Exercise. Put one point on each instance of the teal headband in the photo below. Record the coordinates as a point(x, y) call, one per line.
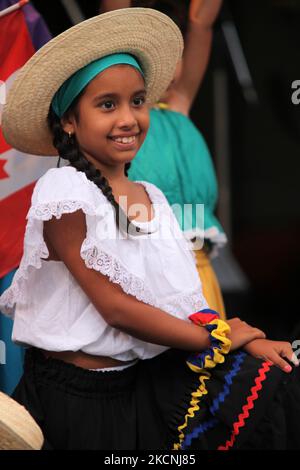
point(71, 88)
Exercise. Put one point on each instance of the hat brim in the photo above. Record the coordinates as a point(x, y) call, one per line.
point(152, 37)
point(18, 430)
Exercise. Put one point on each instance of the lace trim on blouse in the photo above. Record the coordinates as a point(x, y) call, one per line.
point(57, 208)
point(94, 258)
point(111, 267)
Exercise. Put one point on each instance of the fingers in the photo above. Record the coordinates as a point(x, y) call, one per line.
point(258, 334)
point(278, 361)
point(287, 351)
point(251, 334)
point(238, 322)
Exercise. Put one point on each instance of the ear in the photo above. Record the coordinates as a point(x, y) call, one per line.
point(68, 123)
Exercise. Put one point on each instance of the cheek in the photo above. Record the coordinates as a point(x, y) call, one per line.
point(96, 128)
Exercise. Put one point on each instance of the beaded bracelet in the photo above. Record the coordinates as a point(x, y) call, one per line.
point(220, 344)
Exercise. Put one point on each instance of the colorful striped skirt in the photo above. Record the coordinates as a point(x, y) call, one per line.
point(160, 404)
point(244, 403)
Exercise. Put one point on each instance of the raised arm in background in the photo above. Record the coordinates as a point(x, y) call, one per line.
point(109, 5)
point(198, 41)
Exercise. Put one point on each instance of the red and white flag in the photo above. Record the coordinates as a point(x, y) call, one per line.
point(18, 171)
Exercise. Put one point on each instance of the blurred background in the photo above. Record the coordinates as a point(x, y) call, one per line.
point(244, 110)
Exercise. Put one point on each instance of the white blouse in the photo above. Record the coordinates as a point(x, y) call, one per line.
point(50, 309)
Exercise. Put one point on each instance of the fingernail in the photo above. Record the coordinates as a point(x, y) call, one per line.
point(288, 368)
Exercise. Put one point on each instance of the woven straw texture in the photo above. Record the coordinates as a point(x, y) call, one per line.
point(147, 34)
point(18, 430)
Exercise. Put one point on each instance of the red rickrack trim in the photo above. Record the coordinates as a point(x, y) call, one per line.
point(245, 414)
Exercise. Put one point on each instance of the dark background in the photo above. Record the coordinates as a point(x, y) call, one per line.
point(264, 143)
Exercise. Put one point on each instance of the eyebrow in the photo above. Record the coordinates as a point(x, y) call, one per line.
point(116, 95)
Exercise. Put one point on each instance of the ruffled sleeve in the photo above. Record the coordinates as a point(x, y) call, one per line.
point(59, 191)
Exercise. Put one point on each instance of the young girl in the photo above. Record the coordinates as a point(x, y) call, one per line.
point(174, 155)
point(103, 296)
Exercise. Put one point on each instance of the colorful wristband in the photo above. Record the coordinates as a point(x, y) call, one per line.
point(219, 342)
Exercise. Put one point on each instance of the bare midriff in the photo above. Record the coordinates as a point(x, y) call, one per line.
point(86, 361)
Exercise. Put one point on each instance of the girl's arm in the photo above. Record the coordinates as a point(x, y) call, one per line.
point(198, 40)
point(109, 5)
point(273, 351)
point(120, 310)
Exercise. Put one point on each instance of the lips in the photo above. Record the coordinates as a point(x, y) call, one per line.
point(123, 135)
point(124, 140)
point(124, 143)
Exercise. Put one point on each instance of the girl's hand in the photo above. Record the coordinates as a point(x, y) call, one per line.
point(273, 351)
point(242, 333)
point(204, 12)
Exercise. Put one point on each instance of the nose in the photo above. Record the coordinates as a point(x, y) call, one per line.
point(127, 117)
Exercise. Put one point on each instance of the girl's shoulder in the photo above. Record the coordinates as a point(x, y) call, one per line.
point(56, 178)
point(63, 190)
point(65, 182)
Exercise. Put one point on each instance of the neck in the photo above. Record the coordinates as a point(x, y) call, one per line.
point(115, 174)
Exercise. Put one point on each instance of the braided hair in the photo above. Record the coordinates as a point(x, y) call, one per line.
point(68, 149)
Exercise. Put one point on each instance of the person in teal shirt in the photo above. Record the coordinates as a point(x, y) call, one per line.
point(181, 166)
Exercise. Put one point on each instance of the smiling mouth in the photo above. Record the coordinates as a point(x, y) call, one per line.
point(125, 142)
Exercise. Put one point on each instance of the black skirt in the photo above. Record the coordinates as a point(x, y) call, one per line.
point(243, 403)
point(160, 404)
point(79, 409)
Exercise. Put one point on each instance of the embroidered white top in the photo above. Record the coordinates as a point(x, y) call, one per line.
point(50, 309)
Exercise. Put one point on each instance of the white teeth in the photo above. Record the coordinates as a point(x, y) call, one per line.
point(125, 140)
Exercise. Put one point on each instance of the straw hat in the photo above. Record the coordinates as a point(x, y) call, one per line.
point(18, 430)
point(152, 37)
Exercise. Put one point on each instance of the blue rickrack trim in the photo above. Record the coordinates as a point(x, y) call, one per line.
point(200, 430)
point(239, 358)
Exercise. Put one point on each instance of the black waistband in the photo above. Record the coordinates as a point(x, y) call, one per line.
point(54, 371)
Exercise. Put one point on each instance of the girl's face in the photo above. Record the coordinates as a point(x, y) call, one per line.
point(111, 118)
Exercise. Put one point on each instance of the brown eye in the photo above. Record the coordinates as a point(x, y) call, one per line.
point(139, 101)
point(110, 103)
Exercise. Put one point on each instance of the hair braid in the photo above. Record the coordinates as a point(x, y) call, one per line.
point(127, 167)
point(68, 149)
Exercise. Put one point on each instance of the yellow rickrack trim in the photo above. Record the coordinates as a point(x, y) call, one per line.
point(201, 390)
point(220, 333)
